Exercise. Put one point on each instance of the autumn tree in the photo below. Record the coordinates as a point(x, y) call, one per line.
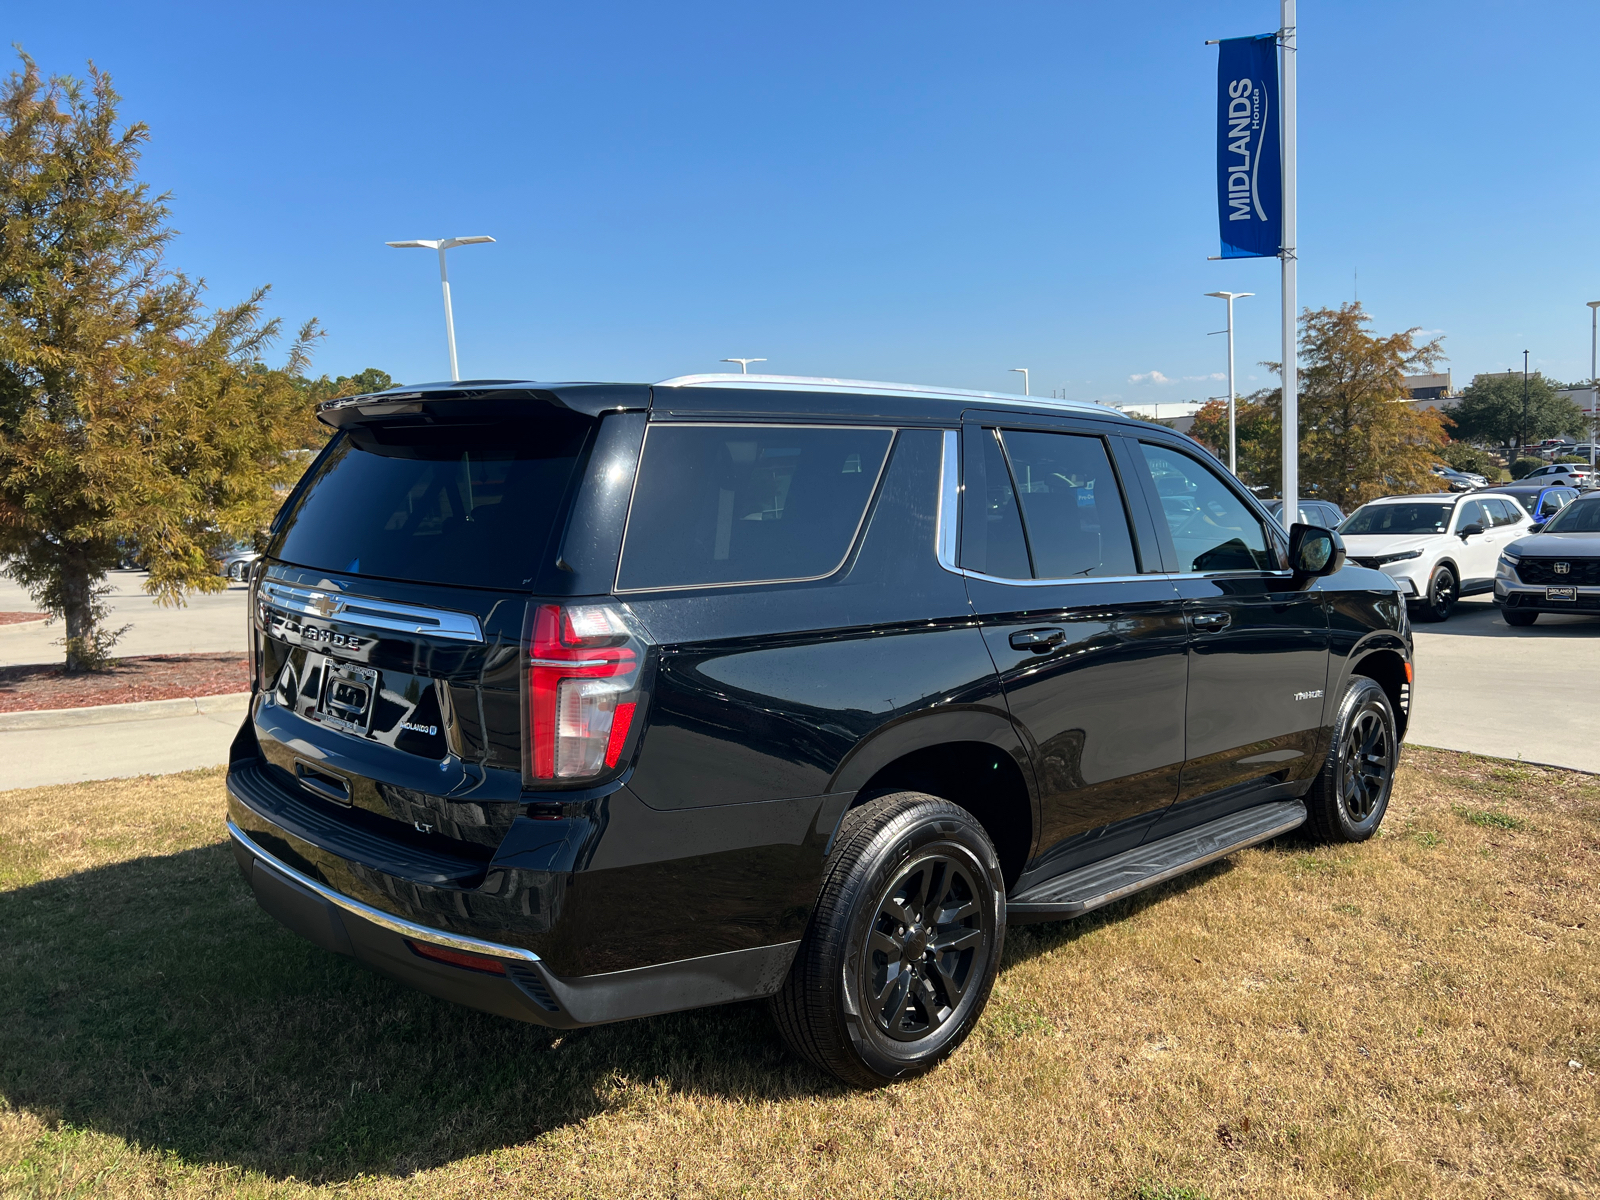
point(127, 412)
point(1357, 437)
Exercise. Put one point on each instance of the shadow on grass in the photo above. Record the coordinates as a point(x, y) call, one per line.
point(153, 1000)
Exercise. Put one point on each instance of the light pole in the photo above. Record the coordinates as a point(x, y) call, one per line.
point(1522, 447)
point(441, 245)
point(744, 363)
point(1024, 371)
point(1594, 383)
point(1230, 297)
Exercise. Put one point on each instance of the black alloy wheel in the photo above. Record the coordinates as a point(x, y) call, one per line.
point(903, 945)
point(1442, 595)
point(1347, 800)
point(926, 939)
point(1520, 618)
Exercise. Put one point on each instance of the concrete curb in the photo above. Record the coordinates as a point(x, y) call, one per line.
point(139, 710)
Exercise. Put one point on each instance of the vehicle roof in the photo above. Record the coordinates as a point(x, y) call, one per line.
point(1518, 488)
point(721, 393)
point(1451, 496)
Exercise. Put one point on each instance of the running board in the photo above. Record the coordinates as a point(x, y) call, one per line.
point(1097, 884)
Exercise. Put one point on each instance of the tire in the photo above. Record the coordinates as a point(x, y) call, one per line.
point(1350, 794)
point(1443, 591)
point(1519, 618)
point(870, 997)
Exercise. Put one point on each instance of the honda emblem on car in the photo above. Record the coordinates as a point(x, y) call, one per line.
point(1563, 568)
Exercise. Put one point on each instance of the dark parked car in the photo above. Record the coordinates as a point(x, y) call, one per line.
point(1541, 501)
point(1556, 569)
point(1312, 512)
point(583, 702)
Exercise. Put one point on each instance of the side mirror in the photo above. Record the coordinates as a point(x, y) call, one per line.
point(1467, 531)
point(1314, 550)
point(1538, 525)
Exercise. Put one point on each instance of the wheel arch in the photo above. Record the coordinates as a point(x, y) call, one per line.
point(1383, 659)
point(973, 757)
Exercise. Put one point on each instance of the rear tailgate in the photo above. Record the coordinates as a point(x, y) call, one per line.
point(390, 619)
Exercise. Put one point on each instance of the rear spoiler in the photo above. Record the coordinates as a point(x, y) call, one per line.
point(502, 398)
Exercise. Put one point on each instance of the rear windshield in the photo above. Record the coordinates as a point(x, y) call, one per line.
point(1398, 518)
point(473, 505)
point(721, 504)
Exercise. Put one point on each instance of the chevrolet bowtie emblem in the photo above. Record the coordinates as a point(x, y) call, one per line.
point(326, 605)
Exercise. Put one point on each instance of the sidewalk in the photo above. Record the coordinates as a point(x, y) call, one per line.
point(207, 624)
point(156, 737)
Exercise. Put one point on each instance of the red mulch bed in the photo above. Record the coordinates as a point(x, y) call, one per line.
point(153, 677)
point(16, 618)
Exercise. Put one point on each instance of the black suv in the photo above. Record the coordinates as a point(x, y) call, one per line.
point(581, 702)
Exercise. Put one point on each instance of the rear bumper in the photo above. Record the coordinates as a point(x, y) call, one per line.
point(526, 990)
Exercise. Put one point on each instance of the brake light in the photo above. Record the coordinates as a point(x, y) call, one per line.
point(583, 673)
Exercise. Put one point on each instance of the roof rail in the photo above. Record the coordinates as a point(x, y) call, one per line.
point(808, 383)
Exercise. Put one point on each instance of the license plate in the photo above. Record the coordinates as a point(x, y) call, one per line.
point(347, 696)
point(1568, 593)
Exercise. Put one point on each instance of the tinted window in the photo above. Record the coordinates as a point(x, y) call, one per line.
point(1212, 530)
point(469, 505)
point(1504, 512)
point(1472, 513)
point(1418, 517)
point(748, 503)
point(991, 526)
point(1071, 507)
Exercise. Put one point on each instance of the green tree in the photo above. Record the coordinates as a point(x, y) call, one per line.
point(1357, 440)
point(1494, 410)
point(126, 411)
point(1464, 456)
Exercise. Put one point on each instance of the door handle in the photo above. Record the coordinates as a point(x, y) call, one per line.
point(1211, 622)
point(1040, 641)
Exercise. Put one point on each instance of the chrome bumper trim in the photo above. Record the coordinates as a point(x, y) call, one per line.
point(367, 613)
point(366, 912)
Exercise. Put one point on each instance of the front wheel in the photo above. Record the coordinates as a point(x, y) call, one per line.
point(903, 946)
point(1441, 597)
point(1518, 618)
point(1351, 793)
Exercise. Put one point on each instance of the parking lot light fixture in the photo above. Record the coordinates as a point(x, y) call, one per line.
point(1024, 371)
point(1594, 376)
point(1233, 454)
point(441, 245)
point(744, 363)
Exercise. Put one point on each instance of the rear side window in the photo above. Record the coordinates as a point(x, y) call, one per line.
point(1212, 528)
point(728, 504)
point(1071, 507)
point(469, 504)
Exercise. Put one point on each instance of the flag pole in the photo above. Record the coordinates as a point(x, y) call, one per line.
point(1291, 378)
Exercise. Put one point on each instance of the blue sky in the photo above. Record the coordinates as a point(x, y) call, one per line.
point(933, 192)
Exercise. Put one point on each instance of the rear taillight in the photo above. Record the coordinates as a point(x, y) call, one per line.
point(583, 676)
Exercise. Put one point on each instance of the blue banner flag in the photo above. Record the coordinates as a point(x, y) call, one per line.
point(1249, 157)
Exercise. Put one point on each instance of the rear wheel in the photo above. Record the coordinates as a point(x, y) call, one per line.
point(1519, 618)
point(1351, 792)
point(903, 946)
point(1442, 594)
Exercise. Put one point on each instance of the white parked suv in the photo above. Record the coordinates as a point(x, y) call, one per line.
point(1437, 547)
point(1575, 475)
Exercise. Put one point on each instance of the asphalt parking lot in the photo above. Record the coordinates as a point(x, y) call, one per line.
point(1487, 688)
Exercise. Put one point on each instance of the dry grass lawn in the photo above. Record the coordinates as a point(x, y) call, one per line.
point(1417, 1016)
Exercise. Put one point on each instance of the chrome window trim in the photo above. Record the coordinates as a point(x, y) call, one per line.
point(949, 523)
point(368, 613)
point(410, 929)
point(622, 554)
